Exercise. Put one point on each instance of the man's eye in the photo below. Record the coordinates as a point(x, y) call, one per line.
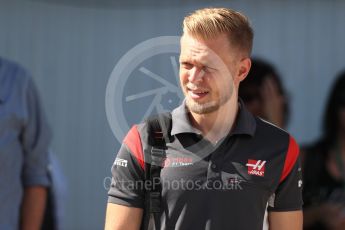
point(207, 69)
point(187, 65)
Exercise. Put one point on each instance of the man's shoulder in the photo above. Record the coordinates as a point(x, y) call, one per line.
point(277, 144)
point(145, 128)
point(270, 135)
point(156, 121)
point(269, 128)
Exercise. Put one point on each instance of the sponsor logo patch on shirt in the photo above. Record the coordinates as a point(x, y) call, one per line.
point(120, 162)
point(178, 161)
point(256, 167)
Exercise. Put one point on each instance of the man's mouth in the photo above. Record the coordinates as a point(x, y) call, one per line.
point(197, 94)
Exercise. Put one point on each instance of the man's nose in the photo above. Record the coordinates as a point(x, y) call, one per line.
point(196, 74)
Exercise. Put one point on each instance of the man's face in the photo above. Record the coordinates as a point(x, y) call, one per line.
point(206, 68)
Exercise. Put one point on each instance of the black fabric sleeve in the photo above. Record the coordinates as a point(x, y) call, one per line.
point(288, 195)
point(127, 185)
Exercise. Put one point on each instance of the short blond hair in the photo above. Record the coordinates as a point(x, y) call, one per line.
point(208, 23)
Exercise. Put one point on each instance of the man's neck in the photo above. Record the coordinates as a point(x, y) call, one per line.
point(216, 125)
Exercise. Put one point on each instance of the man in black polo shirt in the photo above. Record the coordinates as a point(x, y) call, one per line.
point(224, 168)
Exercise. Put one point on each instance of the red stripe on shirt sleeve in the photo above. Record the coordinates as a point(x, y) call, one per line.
point(290, 159)
point(133, 142)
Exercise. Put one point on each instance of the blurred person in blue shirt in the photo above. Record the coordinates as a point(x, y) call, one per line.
point(24, 143)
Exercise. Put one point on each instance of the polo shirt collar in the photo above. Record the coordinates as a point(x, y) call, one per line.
point(181, 122)
point(245, 122)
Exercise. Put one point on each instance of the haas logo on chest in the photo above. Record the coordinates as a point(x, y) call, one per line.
point(256, 167)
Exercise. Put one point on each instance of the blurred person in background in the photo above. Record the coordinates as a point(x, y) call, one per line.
point(24, 142)
point(264, 95)
point(324, 167)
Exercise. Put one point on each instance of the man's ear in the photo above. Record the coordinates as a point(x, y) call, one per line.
point(243, 70)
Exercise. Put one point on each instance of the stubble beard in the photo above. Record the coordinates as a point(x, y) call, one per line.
point(207, 107)
point(202, 108)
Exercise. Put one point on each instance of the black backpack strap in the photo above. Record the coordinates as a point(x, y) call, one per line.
point(159, 134)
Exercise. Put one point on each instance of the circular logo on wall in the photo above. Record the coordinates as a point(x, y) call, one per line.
point(144, 82)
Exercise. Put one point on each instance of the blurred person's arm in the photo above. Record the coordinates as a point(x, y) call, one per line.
point(285, 220)
point(119, 217)
point(33, 207)
point(35, 139)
